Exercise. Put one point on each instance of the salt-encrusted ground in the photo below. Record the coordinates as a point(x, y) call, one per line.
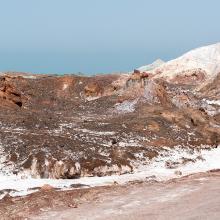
point(169, 164)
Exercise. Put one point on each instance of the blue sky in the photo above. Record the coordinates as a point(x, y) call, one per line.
point(96, 36)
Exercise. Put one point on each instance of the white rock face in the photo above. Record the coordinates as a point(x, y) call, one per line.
point(206, 58)
point(151, 66)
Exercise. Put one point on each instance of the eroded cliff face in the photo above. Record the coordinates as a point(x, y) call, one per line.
point(73, 126)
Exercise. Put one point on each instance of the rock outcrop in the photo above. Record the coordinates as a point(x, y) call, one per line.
point(8, 93)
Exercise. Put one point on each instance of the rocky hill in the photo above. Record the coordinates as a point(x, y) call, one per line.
point(74, 126)
point(203, 62)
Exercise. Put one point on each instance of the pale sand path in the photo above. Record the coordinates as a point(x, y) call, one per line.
point(195, 197)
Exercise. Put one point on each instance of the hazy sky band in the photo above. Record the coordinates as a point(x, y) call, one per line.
point(101, 36)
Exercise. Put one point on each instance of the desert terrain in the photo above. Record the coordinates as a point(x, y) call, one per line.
point(99, 133)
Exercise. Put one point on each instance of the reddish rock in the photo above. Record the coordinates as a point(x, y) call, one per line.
point(93, 89)
point(47, 187)
point(8, 93)
point(190, 77)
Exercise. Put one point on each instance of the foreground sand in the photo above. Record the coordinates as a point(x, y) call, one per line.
point(193, 197)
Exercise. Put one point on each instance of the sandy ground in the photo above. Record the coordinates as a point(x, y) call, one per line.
point(194, 197)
